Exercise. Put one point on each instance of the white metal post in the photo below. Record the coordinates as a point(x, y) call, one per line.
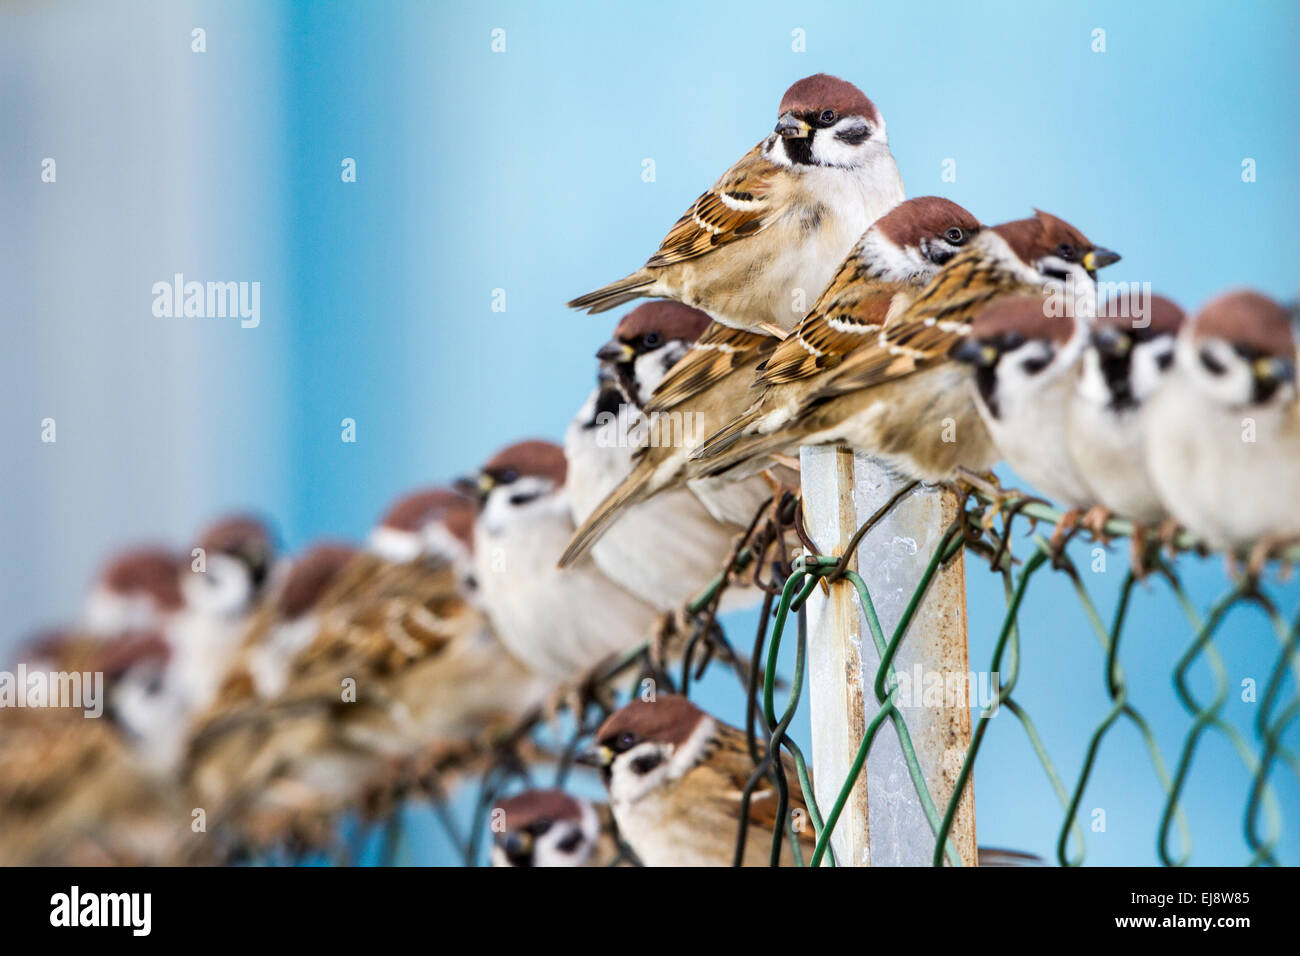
point(883, 822)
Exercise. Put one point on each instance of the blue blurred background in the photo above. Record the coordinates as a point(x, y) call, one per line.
point(522, 171)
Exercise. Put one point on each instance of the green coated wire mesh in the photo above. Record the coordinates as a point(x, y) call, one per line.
point(994, 529)
point(1262, 825)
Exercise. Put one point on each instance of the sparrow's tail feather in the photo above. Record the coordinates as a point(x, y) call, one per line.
point(993, 856)
point(740, 449)
point(727, 436)
point(630, 490)
point(614, 294)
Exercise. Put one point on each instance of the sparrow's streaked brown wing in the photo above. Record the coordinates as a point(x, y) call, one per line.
point(739, 205)
point(849, 315)
point(716, 354)
point(764, 801)
point(71, 786)
point(924, 334)
point(380, 622)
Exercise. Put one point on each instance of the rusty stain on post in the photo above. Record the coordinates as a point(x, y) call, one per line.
point(883, 822)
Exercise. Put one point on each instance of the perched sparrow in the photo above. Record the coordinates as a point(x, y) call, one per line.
point(666, 550)
point(560, 624)
point(136, 591)
point(551, 828)
point(423, 656)
point(200, 610)
point(1223, 433)
point(780, 220)
point(399, 664)
point(675, 777)
point(886, 270)
point(1025, 365)
point(73, 790)
point(903, 399)
point(237, 745)
point(289, 622)
point(1125, 363)
point(435, 523)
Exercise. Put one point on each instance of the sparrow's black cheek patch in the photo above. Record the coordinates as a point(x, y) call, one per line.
point(644, 764)
point(986, 380)
point(853, 137)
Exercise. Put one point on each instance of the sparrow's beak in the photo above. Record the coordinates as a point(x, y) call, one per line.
point(1111, 341)
point(616, 351)
point(975, 352)
point(595, 757)
point(1273, 369)
point(791, 127)
point(1096, 259)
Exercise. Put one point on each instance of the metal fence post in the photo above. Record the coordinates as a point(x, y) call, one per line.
point(883, 822)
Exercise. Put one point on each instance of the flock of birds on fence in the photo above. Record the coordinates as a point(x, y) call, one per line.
point(254, 699)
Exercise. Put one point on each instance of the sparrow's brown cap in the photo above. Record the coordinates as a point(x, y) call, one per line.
point(243, 536)
point(1160, 316)
point(1248, 319)
point(821, 91)
point(533, 458)
point(667, 719)
point(148, 570)
point(121, 654)
point(1044, 235)
point(672, 320)
point(415, 511)
point(65, 648)
point(524, 809)
point(926, 217)
point(1026, 316)
point(311, 576)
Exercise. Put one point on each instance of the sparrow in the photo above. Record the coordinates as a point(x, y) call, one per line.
point(903, 399)
point(74, 790)
point(1223, 432)
point(401, 666)
point(1024, 366)
point(886, 270)
point(551, 828)
point(675, 776)
point(136, 591)
point(414, 638)
point(776, 224)
point(667, 550)
point(237, 746)
point(700, 393)
point(560, 624)
point(1125, 363)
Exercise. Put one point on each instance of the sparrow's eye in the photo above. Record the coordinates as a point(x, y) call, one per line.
point(955, 236)
point(626, 740)
point(1212, 364)
point(651, 340)
point(540, 826)
point(570, 843)
point(827, 117)
point(1034, 364)
point(1067, 252)
point(507, 476)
